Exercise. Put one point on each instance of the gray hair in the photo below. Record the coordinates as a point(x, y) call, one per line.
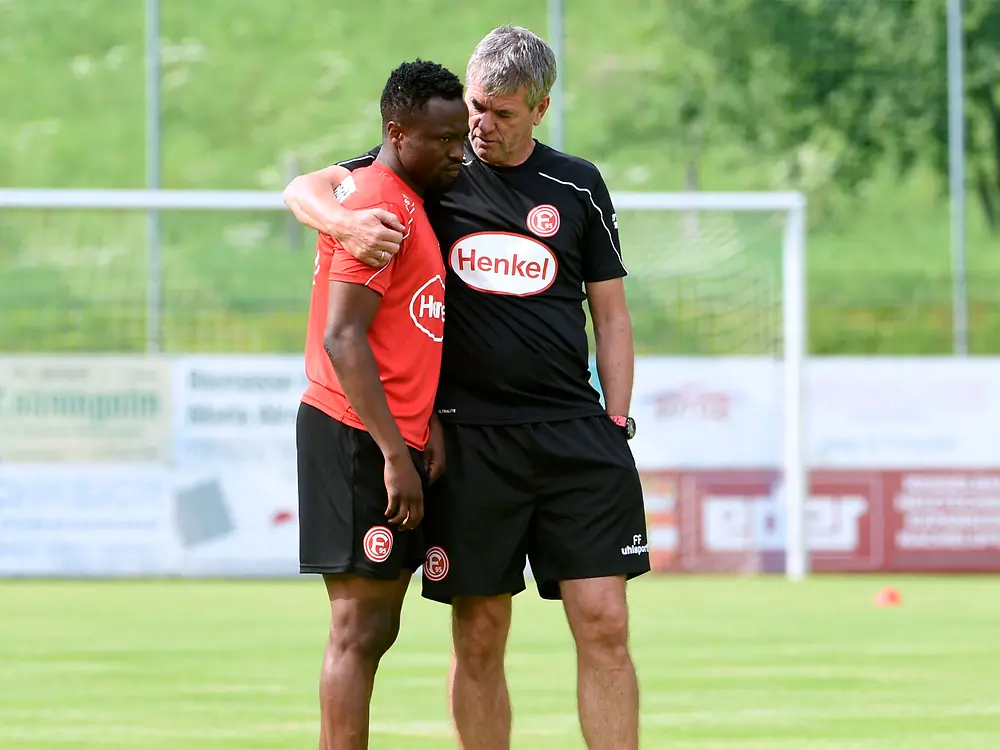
point(510, 57)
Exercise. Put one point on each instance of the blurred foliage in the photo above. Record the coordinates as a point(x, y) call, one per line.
point(845, 100)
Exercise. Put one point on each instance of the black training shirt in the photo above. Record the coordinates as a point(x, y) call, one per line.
point(519, 245)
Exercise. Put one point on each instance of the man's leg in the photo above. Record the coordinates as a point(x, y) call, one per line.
point(476, 526)
point(480, 702)
point(364, 622)
point(589, 534)
point(607, 688)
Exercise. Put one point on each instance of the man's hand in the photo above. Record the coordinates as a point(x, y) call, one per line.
point(434, 451)
point(406, 492)
point(372, 236)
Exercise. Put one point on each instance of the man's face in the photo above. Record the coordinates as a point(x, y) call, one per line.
point(502, 125)
point(432, 142)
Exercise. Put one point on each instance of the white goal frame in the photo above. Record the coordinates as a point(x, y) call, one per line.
point(794, 311)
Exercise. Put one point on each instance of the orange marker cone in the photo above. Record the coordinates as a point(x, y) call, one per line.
point(888, 597)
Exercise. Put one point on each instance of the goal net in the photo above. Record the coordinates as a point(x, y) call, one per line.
point(716, 293)
point(717, 298)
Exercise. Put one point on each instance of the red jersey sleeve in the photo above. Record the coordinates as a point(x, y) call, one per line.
point(345, 267)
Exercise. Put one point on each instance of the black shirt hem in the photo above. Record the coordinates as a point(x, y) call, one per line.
point(561, 415)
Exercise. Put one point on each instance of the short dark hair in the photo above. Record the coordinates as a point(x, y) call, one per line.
point(412, 85)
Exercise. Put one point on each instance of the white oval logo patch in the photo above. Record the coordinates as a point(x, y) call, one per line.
point(503, 263)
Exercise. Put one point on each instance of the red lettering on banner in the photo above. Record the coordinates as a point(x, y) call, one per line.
point(857, 520)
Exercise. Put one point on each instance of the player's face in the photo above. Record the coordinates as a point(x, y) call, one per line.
point(502, 125)
point(432, 146)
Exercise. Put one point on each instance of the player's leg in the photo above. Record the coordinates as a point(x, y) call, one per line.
point(364, 622)
point(607, 687)
point(475, 525)
point(588, 475)
point(480, 699)
point(365, 565)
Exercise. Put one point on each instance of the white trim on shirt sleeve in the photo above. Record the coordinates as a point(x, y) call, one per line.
point(590, 195)
point(357, 158)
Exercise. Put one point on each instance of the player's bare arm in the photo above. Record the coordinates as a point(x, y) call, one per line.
point(372, 236)
point(615, 351)
point(351, 310)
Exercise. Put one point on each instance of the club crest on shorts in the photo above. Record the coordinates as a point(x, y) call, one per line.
point(543, 220)
point(436, 565)
point(378, 544)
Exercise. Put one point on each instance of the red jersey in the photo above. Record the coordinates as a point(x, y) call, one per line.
point(406, 334)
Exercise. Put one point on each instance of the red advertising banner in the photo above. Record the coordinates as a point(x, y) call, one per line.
point(857, 520)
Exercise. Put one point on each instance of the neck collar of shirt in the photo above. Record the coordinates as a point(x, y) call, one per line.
point(409, 191)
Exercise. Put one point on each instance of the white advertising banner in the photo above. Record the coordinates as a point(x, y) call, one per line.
point(859, 413)
point(125, 466)
point(706, 412)
point(236, 410)
point(894, 412)
point(144, 520)
point(107, 409)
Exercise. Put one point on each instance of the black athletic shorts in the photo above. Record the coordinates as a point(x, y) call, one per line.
point(342, 501)
point(565, 495)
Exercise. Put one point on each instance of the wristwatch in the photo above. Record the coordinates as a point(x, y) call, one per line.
point(627, 424)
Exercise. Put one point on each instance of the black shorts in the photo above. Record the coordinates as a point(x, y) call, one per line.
point(342, 501)
point(565, 495)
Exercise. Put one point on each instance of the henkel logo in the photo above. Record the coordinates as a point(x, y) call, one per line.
point(503, 263)
point(427, 309)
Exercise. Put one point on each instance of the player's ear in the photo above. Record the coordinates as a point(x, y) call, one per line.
point(542, 107)
point(395, 132)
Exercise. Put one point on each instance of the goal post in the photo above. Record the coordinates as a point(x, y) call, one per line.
point(684, 236)
point(791, 207)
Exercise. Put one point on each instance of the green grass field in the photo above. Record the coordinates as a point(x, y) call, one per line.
point(724, 664)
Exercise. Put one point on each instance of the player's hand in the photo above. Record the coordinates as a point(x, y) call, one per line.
point(372, 236)
point(434, 451)
point(406, 493)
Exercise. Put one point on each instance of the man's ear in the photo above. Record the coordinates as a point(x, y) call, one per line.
point(541, 109)
point(395, 132)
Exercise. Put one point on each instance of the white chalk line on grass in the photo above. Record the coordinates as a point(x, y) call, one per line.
point(535, 725)
point(235, 688)
point(40, 667)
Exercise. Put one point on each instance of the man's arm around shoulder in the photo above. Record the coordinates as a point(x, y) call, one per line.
point(372, 236)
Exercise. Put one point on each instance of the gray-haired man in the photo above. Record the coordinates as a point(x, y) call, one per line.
point(536, 467)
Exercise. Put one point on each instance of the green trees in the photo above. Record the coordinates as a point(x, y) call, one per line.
point(841, 88)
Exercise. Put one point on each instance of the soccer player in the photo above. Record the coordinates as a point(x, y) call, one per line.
point(373, 355)
point(537, 468)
